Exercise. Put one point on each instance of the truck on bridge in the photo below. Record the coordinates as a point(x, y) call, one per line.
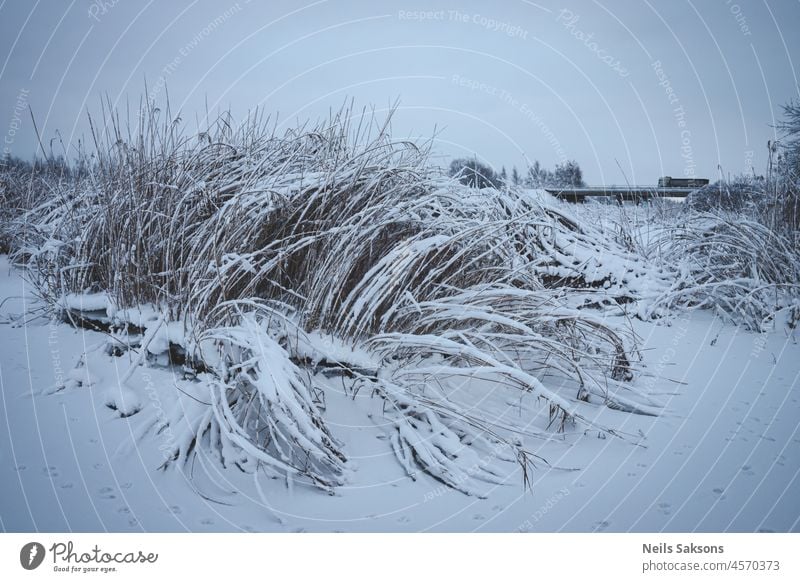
point(670, 182)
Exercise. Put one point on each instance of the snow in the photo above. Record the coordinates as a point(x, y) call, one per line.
point(724, 454)
point(318, 346)
point(122, 399)
point(87, 302)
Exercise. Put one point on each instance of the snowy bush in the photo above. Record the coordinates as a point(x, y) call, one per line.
point(255, 259)
point(246, 243)
point(781, 205)
point(738, 267)
point(742, 193)
point(23, 185)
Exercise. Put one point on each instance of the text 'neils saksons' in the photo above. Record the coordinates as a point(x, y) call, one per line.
point(663, 548)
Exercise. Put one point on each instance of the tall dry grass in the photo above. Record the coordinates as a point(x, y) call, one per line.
point(252, 238)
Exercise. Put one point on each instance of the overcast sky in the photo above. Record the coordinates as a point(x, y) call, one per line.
point(630, 89)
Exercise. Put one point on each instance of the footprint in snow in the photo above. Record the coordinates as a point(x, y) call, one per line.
point(404, 519)
point(717, 490)
point(478, 517)
point(106, 493)
point(50, 471)
point(175, 510)
point(207, 521)
point(601, 525)
point(20, 468)
point(67, 485)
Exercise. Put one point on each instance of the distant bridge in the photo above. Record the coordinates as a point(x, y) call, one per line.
point(667, 188)
point(619, 193)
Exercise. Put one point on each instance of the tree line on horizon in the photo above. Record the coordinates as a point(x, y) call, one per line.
point(471, 172)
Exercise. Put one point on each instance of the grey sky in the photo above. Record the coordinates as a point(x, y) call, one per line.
point(509, 81)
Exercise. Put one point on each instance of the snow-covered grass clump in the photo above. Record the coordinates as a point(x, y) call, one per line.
point(739, 265)
point(258, 260)
point(734, 265)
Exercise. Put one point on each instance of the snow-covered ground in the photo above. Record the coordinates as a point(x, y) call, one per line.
point(724, 455)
